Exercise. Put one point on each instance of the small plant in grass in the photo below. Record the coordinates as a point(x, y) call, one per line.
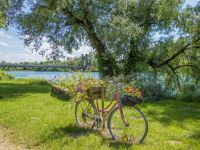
point(4, 76)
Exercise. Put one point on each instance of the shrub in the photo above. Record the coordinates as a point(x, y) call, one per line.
point(34, 81)
point(39, 82)
point(189, 93)
point(125, 84)
point(4, 76)
point(152, 88)
point(155, 91)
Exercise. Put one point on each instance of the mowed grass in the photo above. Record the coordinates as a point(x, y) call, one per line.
point(33, 118)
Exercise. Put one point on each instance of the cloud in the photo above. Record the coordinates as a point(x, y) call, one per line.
point(191, 2)
point(4, 44)
point(46, 46)
point(14, 51)
point(4, 35)
point(24, 57)
point(82, 50)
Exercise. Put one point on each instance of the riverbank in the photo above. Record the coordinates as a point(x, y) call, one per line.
point(39, 121)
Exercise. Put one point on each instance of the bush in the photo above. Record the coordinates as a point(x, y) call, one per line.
point(4, 76)
point(189, 93)
point(39, 82)
point(152, 88)
point(34, 81)
point(155, 91)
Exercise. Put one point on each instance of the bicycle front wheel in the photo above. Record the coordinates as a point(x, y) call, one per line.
point(133, 130)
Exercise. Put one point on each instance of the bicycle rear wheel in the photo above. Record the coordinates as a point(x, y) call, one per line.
point(84, 113)
point(134, 131)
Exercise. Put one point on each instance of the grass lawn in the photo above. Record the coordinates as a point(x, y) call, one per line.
point(33, 118)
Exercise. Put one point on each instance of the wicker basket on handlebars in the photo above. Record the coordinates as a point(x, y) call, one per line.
point(128, 100)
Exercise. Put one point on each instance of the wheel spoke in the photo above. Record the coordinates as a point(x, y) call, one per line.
point(83, 113)
point(137, 127)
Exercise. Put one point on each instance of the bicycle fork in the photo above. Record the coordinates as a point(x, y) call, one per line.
point(121, 110)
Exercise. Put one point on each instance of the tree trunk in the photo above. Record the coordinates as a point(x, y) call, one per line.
point(133, 58)
point(106, 63)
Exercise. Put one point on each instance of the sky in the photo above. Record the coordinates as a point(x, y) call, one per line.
point(12, 48)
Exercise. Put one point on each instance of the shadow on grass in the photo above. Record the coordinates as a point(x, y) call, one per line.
point(170, 111)
point(76, 132)
point(70, 131)
point(195, 135)
point(10, 90)
point(61, 98)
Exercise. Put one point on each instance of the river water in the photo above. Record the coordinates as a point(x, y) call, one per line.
point(47, 74)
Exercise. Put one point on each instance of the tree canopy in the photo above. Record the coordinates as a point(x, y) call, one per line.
point(3, 7)
point(128, 36)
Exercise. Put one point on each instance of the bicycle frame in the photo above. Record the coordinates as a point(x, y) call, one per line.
point(105, 111)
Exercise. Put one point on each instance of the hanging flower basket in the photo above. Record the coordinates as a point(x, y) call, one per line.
point(129, 100)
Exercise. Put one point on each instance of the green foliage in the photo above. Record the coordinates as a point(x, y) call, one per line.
point(4, 76)
point(36, 81)
point(3, 7)
point(87, 62)
point(2, 20)
point(189, 93)
point(78, 84)
point(153, 88)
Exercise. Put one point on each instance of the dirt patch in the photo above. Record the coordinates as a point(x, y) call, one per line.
point(173, 142)
point(6, 144)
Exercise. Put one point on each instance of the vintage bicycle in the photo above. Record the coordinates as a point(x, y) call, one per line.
point(126, 122)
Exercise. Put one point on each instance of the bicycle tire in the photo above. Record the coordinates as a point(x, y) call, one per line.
point(117, 137)
point(77, 117)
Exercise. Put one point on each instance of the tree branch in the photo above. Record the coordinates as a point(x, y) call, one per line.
point(74, 19)
point(189, 65)
point(107, 62)
point(174, 72)
point(153, 64)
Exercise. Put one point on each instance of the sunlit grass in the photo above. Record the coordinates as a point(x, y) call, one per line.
point(34, 118)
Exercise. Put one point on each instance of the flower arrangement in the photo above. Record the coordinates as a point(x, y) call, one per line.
point(132, 91)
point(78, 84)
point(82, 87)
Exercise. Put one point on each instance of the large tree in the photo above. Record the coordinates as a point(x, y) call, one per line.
point(128, 36)
point(162, 35)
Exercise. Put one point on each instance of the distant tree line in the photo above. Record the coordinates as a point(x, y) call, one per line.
point(87, 61)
